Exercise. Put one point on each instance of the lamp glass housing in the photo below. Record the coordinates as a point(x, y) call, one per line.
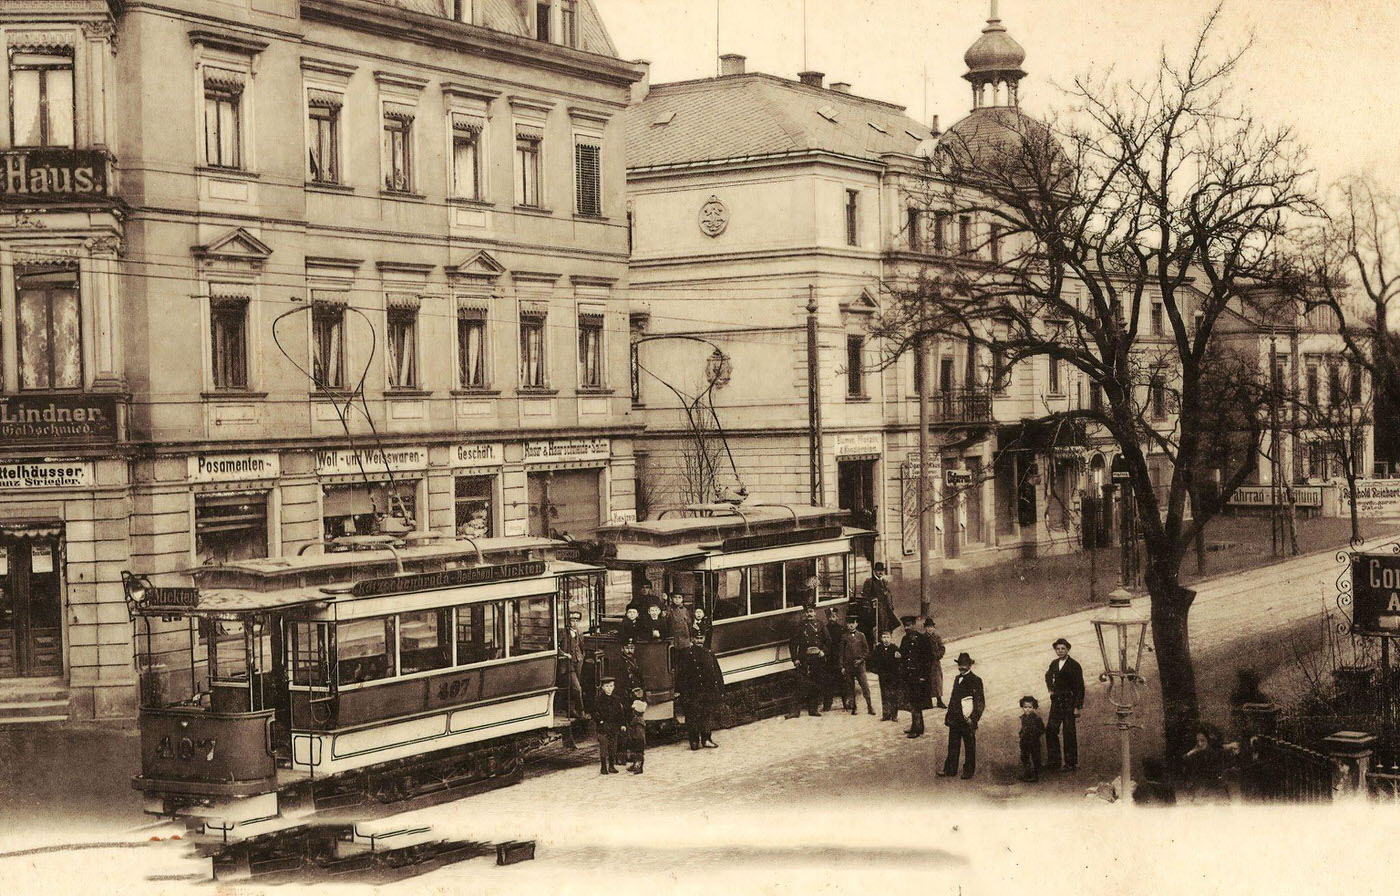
point(1122, 632)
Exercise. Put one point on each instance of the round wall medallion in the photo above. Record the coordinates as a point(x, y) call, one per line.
point(714, 217)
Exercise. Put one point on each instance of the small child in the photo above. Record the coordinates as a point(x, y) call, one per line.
point(1032, 735)
point(884, 663)
point(637, 732)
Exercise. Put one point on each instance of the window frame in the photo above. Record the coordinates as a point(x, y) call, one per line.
point(529, 154)
point(221, 306)
point(581, 177)
point(48, 286)
point(568, 23)
point(322, 122)
point(592, 323)
point(233, 97)
point(42, 98)
point(392, 126)
point(401, 318)
point(469, 319)
point(1053, 380)
point(852, 217)
point(321, 313)
point(471, 137)
point(534, 322)
point(855, 365)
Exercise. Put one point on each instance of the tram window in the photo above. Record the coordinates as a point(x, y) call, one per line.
point(481, 632)
point(423, 640)
point(308, 660)
point(532, 625)
point(799, 581)
point(229, 656)
point(730, 601)
point(765, 587)
point(364, 650)
point(831, 578)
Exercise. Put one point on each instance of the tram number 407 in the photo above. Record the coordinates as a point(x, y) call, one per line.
point(186, 748)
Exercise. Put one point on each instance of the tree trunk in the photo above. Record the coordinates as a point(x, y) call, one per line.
point(1171, 605)
point(1351, 500)
point(1200, 532)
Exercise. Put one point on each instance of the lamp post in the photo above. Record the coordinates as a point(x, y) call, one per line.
point(1122, 632)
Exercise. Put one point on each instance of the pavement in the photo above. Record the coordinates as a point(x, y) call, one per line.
point(840, 801)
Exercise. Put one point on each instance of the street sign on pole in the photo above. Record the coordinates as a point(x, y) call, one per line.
point(1375, 587)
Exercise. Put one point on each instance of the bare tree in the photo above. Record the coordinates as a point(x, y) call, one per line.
point(1337, 429)
point(1112, 243)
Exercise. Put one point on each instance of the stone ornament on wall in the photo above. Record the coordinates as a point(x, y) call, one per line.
point(714, 217)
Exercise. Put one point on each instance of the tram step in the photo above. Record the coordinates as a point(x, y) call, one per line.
point(382, 837)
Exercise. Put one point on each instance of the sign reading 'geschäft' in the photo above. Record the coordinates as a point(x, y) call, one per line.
point(45, 474)
point(478, 454)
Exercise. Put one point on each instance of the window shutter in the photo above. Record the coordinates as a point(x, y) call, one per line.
point(588, 177)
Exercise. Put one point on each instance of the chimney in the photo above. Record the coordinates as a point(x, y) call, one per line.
point(934, 127)
point(731, 64)
point(810, 78)
point(841, 86)
point(642, 87)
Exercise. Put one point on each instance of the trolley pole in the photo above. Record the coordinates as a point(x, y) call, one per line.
point(814, 402)
point(925, 539)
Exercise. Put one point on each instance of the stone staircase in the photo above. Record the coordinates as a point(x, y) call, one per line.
point(31, 701)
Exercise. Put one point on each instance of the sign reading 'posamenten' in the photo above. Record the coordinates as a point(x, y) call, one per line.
point(57, 419)
point(43, 175)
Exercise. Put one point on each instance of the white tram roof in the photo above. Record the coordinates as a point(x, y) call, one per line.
point(352, 561)
point(705, 522)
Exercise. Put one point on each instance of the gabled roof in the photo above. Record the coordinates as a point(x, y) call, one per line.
point(238, 244)
point(734, 116)
point(512, 17)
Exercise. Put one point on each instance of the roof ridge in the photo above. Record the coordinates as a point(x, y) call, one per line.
point(722, 80)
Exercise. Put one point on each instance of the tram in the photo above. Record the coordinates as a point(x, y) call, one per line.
point(273, 687)
point(752, 569)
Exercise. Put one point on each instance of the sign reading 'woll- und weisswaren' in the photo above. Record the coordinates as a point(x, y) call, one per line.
point(371, 462)
point(1375, 581)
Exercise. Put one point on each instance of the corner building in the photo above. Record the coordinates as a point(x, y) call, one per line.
point(344, 267)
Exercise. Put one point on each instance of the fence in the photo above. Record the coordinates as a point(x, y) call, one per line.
point(1282, 771)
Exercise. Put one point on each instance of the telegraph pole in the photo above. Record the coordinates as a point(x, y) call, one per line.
point(814, 402)
point(925, 539)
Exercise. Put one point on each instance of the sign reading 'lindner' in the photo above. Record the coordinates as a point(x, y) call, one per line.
point(29, 175)
point(57, 419)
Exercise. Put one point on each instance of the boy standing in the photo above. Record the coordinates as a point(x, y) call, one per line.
point(854, 653)
point(885, 663)
point(1032, 734)
point(637, 732)
point(609, 715)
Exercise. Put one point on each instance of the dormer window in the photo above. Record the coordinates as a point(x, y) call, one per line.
point(542, 14)
point(41, 99)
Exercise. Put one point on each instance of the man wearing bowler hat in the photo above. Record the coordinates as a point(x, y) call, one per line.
point(1065, 682)
point(965, 705)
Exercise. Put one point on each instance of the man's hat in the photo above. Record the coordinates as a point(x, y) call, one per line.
point(630, 642)
point(850, 619)
point(928, 620)
point(879, 567)
point(964, 659)
point(908, 620)
point(636, 690)
point(1059, 641)
point(575, 614)
point(608, 679)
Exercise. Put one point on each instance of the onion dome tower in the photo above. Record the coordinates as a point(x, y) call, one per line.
point(994, 65)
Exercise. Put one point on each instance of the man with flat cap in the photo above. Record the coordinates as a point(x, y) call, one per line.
point(1065, 682)
point(610, 715)
point(915, 664)
point(965, 705)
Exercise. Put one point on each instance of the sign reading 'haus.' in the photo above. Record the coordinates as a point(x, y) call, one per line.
point(31, 175)
point(57, 419)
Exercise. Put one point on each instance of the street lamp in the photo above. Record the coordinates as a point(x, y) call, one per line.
point(1121, 632)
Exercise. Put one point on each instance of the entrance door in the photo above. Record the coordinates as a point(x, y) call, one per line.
point(31, 636)
point(855, 491)
point(950, 521)
point(564, 501)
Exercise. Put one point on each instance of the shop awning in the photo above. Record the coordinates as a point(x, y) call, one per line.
point(32, 530)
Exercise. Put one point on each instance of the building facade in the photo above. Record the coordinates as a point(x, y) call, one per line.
point(276, 271)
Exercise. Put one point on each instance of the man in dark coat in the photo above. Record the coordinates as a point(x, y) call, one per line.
point(611, 718)
point(965, 705)
point(654, 626)
point(884, 662)
point(699, 684)
point(678, 622)
point(808, 648)
point(875, 594)
point(629, 671)
point(915, 662)
point(834, 683)
point(571, 664)
point(854, 653)
point(1065, 682)
point(935, 676)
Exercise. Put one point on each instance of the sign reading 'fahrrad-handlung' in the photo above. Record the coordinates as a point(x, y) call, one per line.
point(57, 419)
point(1375, 580)
point(34, 175)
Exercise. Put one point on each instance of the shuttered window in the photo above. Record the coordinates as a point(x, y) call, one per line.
point(228, 347)
point(588, 178)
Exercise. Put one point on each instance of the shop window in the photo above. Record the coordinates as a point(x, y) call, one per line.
point(425, 640)
point(324, 128)
point(474, 496)
point(230, 527)
point(223, 125)
point(801, 585)
point(532, 625)
point(466, 156)
point(590, 351)
point(369, 509)
point(588, 178)
point(41, 99)
point(730, 600)
point(527, 166)
point(50, 331)
point(364, 650)
point(328, 345)
point(398, 148)
point(532, 360)
point(228, 347)
point(403, 349)
point(765, 587)
point(481, 633)
point(471, 349)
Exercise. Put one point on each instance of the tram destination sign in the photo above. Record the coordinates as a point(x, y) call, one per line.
point(447, 578)
point(1375, 608)
point(778, 539)
point(58, 419)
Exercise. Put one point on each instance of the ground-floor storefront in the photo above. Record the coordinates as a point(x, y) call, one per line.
point(70, 527)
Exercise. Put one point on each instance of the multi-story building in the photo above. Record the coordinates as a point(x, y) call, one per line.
point(283, 270)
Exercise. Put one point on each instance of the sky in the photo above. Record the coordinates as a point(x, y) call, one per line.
point(1326, 67)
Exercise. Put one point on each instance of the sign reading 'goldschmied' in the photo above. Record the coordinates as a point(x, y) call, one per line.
point(57, 419)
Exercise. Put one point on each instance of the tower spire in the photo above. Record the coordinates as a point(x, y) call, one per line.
point(994, 65)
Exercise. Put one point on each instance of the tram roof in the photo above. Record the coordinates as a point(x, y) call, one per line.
point(711, 522)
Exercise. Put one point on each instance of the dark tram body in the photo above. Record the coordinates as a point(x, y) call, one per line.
point(752, 569)
point(341, 675)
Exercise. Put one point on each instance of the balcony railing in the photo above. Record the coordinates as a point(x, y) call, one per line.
point(961, 406)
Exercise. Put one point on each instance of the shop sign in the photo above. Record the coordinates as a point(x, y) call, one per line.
point(478, 454)
point(31, 175)
point(957, 478)
point(559, 450)
point(373, 461)
point(1264, 496)
point(234, 467)
point(45, 474)
point(57, 419)
point(854, 444)
point(448, 578)
point(1376, 497)
point(1375, 608)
